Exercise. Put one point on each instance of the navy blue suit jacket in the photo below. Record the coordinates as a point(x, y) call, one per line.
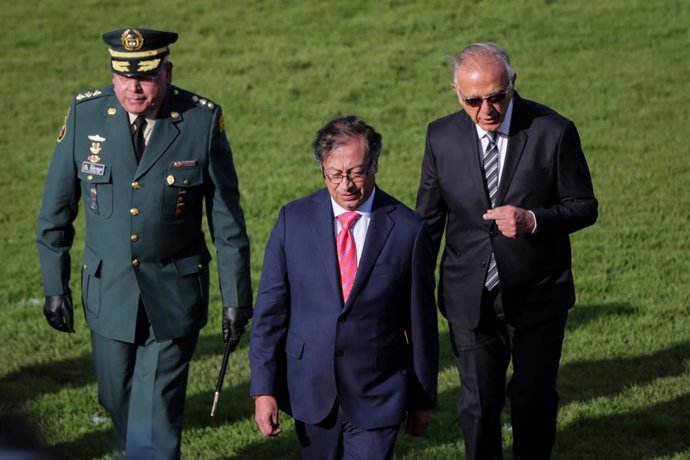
point(378, 353)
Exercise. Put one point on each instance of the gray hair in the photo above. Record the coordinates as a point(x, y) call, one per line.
point(482, 50)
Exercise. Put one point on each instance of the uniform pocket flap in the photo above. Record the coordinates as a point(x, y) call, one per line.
point(91, 264)
point(190, 265)
point(184, 177)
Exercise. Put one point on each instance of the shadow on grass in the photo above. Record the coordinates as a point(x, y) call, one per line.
point(648, 433)
point(94, 444)
point(30, 382)
point(582, 315)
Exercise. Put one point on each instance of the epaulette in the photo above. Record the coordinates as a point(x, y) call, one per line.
point(196, 99)
point(88, 95)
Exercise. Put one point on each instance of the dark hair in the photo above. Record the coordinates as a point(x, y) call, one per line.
point(337, 131)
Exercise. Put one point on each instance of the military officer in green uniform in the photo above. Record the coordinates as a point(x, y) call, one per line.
point(146, 158)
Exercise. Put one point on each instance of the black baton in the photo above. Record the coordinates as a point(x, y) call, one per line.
point(221, 376)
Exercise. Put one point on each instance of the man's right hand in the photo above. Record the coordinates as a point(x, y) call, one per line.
point(266, 415)
point(58, 312)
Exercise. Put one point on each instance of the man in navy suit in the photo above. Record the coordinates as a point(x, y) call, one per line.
point(507, 181)
point(348, 348)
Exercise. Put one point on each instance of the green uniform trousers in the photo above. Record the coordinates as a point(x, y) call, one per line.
point(143, 385)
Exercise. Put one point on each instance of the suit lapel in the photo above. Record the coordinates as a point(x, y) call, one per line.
point(380, 227)
point(118, 132)
point(517, 139)
point(324, 236)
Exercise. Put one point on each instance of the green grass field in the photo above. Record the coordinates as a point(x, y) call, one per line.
point(281, 69)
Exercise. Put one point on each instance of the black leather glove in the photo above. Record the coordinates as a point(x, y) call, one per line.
point(58, 311)
point(234, 322)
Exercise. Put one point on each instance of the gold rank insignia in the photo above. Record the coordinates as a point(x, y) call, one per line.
point(88, 94)
point(174, 115)
point(63, 130)
point(221, 124)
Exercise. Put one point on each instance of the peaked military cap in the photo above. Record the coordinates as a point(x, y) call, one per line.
point(135, 52)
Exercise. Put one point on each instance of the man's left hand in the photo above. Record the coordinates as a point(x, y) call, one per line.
point(234, 323)
point(511, 221)
point(417, 422)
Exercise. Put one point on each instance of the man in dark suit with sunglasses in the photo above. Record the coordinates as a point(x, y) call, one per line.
point(507, 181)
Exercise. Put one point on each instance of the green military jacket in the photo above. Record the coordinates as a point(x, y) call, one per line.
point(144, 235)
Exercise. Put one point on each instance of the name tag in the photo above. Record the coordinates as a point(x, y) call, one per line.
point(93, 168)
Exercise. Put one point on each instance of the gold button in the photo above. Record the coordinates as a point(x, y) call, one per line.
point(136, 185)
point(84, 267)
point(185, 182)
point(201, 266)
point(170, 179)
point(135, 263)
point(134, 237)
point(134, 211)
point(89, 177)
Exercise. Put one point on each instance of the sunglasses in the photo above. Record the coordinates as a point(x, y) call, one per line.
point(493, 99)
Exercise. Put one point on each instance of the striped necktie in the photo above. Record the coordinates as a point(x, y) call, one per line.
point(491, 176)
point(347, 252)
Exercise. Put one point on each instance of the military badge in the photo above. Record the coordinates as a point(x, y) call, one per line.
point(132, 40)
point(93, 158)
point(112, 111)
point(93, 199)
point(221, 124)
point(181, 203)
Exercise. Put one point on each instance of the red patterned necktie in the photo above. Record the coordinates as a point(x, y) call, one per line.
point(347, 252)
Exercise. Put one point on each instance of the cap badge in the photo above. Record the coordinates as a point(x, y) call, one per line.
point(132, 40)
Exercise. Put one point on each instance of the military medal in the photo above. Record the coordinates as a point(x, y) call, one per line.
point(93, 199)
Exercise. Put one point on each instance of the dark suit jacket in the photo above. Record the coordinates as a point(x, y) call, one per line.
point(308, 349)
point(544, 171)
point(144, 235)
